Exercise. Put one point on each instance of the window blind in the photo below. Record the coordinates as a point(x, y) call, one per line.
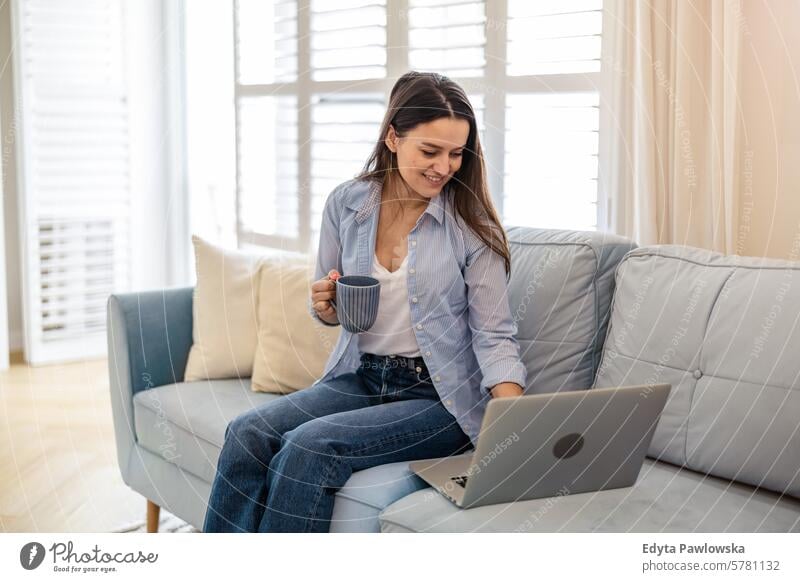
point(313, 78)
point(348, 39)
point(267, 135)
point(551, 136)
point(551, 160)
point(447, 36)
point(266, 35)
point(74, 140)
point(554, 36)
point(344, 129)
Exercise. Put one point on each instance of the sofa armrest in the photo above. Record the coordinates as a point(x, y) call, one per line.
point(149, 337)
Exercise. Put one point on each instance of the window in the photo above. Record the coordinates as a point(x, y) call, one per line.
point(311, 79)
point(75, 145)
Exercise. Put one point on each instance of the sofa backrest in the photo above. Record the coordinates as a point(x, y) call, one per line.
point(725, 332)
point(560, 293)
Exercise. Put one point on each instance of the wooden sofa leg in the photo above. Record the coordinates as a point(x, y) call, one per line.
point(153, 511)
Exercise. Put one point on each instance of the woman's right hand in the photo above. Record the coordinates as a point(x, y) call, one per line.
point(322, 292)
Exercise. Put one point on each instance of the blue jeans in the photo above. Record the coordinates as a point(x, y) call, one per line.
point(282, 462)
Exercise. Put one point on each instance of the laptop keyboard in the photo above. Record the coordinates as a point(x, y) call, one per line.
point(461, 480)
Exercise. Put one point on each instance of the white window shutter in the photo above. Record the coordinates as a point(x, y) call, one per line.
point(554, 36)
point(551, 160)
point(344, 130)
point(348, 44)
point(266, 123)
point(74, 145)
point(447, 36)
point(267, 142)
point(313, 79)
point(551, 137)
point(348, 39)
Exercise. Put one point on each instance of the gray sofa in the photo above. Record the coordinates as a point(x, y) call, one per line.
point(591, 311)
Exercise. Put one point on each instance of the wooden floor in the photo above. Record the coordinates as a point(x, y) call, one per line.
point(58, 461)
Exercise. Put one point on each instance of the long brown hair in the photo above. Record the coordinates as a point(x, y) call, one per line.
point(423, 97)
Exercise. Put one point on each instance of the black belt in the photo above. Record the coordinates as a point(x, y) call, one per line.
point(397, 361)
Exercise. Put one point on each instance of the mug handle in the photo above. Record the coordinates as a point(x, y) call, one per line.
point(333, 301)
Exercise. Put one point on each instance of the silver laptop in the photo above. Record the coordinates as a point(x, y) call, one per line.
point(554, 444)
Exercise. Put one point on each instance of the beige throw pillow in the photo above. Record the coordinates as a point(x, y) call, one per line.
point(292, 346)
point(225, 308)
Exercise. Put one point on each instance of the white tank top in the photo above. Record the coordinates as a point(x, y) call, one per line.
point(391, 334)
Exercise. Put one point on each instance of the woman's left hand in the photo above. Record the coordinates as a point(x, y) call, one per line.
point(505, 389)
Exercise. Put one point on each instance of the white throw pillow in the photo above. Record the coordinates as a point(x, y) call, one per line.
point(292, 346)
point(225, 329)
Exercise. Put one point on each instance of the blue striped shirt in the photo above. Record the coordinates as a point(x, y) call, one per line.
point(458, 296)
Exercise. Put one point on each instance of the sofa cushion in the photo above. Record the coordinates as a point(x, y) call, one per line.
point(185, 424)
point(224, 313)
point(560, 293)
point(666, 498)
point(368, 492)
point(724, 332)
point(292, 346)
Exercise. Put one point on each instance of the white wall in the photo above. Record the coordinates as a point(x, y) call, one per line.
point(9, 127)
point(151, 135)
point(4, 349)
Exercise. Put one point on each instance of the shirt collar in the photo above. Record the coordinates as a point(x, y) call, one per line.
point(364, 205)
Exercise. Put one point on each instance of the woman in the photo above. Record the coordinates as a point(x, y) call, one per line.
point(419, 219)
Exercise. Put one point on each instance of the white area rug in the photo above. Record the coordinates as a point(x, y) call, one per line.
point(167, 523)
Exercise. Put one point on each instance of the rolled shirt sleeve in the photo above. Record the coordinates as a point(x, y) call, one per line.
point(490, 320)
point(329, 254)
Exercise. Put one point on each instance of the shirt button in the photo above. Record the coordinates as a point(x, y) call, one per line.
point(448, 402)
point(413, 243)
point(419, 326)
point(413, 299)
point(412, 271)
point(437, 379)
point(427, 353)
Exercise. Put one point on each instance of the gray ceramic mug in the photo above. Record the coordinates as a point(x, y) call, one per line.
point(356, 303)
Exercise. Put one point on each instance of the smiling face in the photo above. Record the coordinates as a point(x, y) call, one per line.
point(430, 154)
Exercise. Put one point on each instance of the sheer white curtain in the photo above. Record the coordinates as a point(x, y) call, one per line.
point(4, 341)
point(672, 121)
